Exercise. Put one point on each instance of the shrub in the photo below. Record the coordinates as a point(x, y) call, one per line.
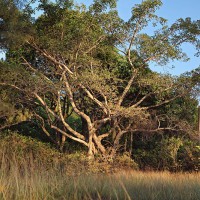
point(168, 153)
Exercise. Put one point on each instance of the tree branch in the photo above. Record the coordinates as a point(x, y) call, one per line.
point(148, 95)
point(33, 69)
point(71, 98)
point(78, 135)
point(69, 136)
point(13, 86)
point(96, 43)
point(51, 58)
point(162, 103)
point(44, 129)
point(127, 87)
point(44, 104)
point(94, 99)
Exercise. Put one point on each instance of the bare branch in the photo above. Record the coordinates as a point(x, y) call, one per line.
point(71, 98)
point(51, 58)
point(131, 42)
point(155, 130)
point(44, 104)
point(148, 95)
point(78, 135)
point(99, 40)
point(9, 125)
point(94, 99)
point(127, 88)
point(69, 136)
point(102, 120)
point(33, 69)
point(101, 137)
point(98, 143)
point(13, 86)
point(162, 103)
point(43, 127)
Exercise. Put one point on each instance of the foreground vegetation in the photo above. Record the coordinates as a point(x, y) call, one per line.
point(41, 184)
point(30, 169)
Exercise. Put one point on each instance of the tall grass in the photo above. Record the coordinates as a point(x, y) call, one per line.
point(25, 182)
point(32, 171)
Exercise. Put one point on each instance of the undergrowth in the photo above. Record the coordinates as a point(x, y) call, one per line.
point(33, 170)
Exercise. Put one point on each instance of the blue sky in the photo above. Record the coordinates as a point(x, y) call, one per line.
point(171, 10)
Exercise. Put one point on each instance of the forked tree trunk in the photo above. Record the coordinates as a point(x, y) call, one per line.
point(99, 145)
point(95, 146)
point(116, 144)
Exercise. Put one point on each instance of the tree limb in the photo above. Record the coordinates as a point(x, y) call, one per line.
point(127, 88)
point(51, 58)
point(94, 99)
point(78, 135)
point(69, 136)
point(71, 98)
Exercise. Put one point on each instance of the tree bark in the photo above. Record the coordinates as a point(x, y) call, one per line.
point(98, 144)
point(85, 130)
point(90, 147)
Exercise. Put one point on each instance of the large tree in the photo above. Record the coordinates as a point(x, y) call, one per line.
point(88, 61)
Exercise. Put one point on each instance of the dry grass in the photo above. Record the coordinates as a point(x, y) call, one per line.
point(51, 184)
point(26, 174)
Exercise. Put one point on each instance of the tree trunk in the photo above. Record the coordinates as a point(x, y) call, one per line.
point(85, 130)
point(131, 144)
point(90, 146)
point(98, 144)
point(62, 143)
point(199, 122)
point(116, 144)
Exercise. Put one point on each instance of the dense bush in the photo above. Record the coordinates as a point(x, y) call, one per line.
point(168, 153)
point(32, 154)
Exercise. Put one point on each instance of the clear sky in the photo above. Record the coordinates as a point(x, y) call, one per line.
point(171, 10)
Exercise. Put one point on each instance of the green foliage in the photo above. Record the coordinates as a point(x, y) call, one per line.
point(27, 151)
point(188, 156)
point(16, 25)
point(167, 153)
point(186, 29)
point(101, 5)
point(22, 148)
point(125, 160)
point(184, 109)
